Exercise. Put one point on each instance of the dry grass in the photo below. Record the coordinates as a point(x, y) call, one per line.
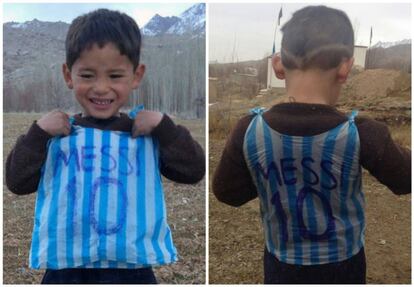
point(401, 134)
point(220, 125)
point(187, 224)
point(224, 114)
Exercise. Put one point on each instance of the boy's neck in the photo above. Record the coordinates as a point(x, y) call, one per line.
point(313, 86)
point(117, 115)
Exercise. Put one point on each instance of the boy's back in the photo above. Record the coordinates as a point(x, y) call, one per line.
point(282, 210)
point(303, 159)
point(311, 185)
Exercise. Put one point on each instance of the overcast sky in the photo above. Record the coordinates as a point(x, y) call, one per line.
point(141, 12)
point(248, 29)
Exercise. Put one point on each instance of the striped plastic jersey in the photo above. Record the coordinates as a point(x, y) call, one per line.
point(100, 203)
point(310, 191)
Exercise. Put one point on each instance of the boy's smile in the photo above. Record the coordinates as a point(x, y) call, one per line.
point(102, 80)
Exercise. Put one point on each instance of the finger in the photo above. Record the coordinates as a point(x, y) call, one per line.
point(138, 131)
point(134, 132)
point(60, 114)
point(63, 122)
point(68, 126)
point(143, 132)
point(64, 115)
point(66, 131)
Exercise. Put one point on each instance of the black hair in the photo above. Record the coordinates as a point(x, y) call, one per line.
point(100, 27)
point(317, 37)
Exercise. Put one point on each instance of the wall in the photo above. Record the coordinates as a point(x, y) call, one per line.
point(360, 53)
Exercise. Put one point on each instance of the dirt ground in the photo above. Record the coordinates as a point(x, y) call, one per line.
point(236, 240)
point(187, 224)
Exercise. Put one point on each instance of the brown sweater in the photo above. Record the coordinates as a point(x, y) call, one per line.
point(182, 158)
point(385, 160)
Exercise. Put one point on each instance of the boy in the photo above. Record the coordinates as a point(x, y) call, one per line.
point(102, 67)
point(303, 159)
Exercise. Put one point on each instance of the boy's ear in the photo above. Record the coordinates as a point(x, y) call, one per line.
point(344, 69)
point(67, 76)
point(278, 67)
point(138, 75)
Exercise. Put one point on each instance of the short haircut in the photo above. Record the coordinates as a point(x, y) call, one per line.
point(317, 37)
point(100, 27)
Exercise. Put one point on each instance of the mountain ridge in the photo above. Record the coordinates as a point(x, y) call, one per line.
point(391, 44)
point(191, 21)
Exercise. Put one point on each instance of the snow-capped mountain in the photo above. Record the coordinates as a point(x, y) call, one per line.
point(391, 44)
point(159, 25)
point(193, 20)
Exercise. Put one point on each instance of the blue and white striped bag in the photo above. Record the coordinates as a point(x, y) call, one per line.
point(100, 203)
point(311, 199)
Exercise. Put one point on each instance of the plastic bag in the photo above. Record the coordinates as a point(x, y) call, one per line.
point(100, 203)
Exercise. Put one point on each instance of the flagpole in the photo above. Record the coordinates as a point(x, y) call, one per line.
point(277, 26)
point(274, 43)
point(370, 38)
point(369, 55)
point(274, 39)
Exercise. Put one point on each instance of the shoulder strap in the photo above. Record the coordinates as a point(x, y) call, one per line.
point(133, 113)
point(71, 120)
point(352, 116)
point(257, 111)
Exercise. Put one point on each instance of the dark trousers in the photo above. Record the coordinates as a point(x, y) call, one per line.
point(99, 276)
point(350, 271)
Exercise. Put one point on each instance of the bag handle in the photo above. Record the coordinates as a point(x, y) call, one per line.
point(133, 113)
point(71, 120)
point(352, 116)
point(257, 111)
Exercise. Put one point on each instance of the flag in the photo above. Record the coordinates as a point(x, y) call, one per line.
point(278, 23)
point(370, 37)
point(280, 15)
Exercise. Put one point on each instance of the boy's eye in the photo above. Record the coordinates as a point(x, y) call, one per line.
point(116, 76)
point(86, 76)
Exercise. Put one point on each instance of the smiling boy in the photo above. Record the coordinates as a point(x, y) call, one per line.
point(102, 80)
point(102, 68)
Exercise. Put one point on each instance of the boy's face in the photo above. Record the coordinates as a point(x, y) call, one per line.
point(102, 80)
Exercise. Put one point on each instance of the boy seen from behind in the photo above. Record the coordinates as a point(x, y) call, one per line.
point(303, 159)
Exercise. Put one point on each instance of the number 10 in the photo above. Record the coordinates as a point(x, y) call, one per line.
point(303, 230)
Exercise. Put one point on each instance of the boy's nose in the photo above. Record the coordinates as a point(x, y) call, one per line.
point(101, 86)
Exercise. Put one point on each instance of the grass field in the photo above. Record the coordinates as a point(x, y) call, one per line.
point(187, 224)
point(236, 240)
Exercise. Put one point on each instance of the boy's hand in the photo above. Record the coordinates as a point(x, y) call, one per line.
point(55, 123)
point(145, 122)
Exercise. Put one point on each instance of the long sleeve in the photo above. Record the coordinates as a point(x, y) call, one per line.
point(388, 162)
point(25, 161)
point(232, 182)
point(182, 158)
